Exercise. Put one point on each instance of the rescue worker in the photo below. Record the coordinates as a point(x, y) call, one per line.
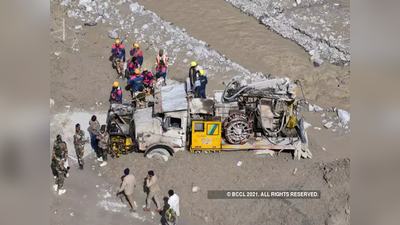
point(104, 138)
point(136, 81)
point(94, 127)
point(161, 58)
point(161, 65)
point(151, 184)
point(162, 70)
point(132, 66)
point(118, 52)
point(116, 94)
point(136, 52)
point(60, 171)
point(193, 74)
point(79, 143)
point(60, 153)
point(147, 78)
point(203, 83)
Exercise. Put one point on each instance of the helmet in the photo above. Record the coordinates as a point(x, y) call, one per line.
point(136, 45)
point(161, 52)
point(201, 71)
point(144, 69)
point(116, 84)
point(137, 71)
point(58, 137)
point(77, 126)
point(193, 64)
point(117, 42)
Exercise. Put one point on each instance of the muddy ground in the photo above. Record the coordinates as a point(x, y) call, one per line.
point(80, 79)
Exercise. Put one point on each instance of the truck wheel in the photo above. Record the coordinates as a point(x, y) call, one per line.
point(159, 152)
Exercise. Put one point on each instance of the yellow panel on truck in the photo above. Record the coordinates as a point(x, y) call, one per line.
point(206, 136)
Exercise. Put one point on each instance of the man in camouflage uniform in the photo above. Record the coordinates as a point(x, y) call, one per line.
point(60, 154)
point(79, 142)
point(103, 144)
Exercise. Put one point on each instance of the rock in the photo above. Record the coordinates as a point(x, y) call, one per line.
point(134, 7)
point(328, 125)
point(100, 12)
point(78, 27)
point(51, 102)
point(310, 108)
point(323, 149)
point(189, 53)
point(298, 2)
point(198, 50)
point(324, 121)
point(189, 46)
point(294, 171)
point(98, 19)
point(344, 116)
point(294, 4)
point(113, 34)
point(64, 2)
point(347, 211)
point(185, 60)
point(318, 62)
point(311, 52)
point(195, 189)
point(317, 128)
point(144, 27)
point(136, 31)
point(168, 43)
point(317, 108)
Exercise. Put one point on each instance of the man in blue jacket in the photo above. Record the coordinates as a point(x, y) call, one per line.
point(203, 83)
point(118, 52)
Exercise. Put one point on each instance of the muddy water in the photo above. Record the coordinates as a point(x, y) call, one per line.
point(243, 40)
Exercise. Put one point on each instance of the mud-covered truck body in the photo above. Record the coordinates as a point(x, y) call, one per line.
point(258, 116)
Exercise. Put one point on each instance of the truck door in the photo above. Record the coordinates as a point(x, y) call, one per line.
point(174, 130)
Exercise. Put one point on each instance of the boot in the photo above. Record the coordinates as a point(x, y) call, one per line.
point(81, 167)
point(103, 164)
point(55, 187)
point(61, 191)
point(100, 159)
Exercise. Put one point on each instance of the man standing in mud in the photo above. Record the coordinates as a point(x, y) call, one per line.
point(60, 154)
point(151, 184)
point(95, 132)
point(103, 144)
point(79, 143)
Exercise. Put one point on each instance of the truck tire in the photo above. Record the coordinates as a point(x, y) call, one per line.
point(159, 152)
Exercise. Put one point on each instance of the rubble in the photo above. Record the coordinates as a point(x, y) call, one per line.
point(113, 34)
point(344, 116)
point(300, 25)
point(328, 125)
point(317, 108)
point(195, 189)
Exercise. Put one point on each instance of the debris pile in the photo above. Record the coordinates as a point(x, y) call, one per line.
point(320, 27)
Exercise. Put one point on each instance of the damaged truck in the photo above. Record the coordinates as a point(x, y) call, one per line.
point(257, 116)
